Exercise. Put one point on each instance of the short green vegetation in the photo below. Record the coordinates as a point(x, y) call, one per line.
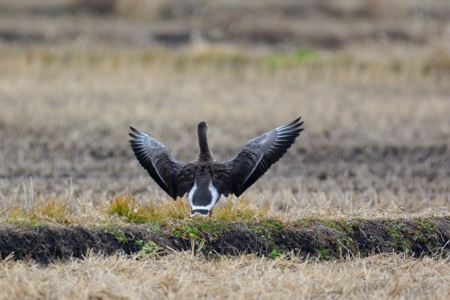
point(147, 247)
point(118, 234)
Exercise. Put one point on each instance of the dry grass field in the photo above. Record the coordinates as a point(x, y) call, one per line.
point(373, 92)
point(189, 276)
point(374, 138)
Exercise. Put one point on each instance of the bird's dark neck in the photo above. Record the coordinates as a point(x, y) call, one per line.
point(205, 154)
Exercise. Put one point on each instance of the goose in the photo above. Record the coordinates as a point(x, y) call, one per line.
point(205, 180)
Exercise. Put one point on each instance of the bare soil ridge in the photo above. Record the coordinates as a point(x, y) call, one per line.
point(323, 239)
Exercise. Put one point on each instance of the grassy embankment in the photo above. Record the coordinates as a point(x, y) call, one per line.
point(48, 232)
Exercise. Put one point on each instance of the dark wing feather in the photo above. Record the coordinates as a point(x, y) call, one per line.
point(156, 159)
point(259, 154)
point(185, 179)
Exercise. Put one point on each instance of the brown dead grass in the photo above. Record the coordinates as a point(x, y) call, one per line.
point(372, 140)
point(188, 275)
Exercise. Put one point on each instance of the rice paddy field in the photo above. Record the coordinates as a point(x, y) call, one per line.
point(357, 208)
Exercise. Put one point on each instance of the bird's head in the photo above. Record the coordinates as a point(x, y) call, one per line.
point(202, 126)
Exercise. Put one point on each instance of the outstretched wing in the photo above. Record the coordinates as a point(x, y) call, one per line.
point(259, 154)
point(157, 160)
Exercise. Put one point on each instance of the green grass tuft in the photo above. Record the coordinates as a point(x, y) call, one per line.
point(167, 211)
point(277, 61)
point(50, 209)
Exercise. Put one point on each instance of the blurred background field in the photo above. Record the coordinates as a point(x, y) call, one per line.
point(369, 78)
